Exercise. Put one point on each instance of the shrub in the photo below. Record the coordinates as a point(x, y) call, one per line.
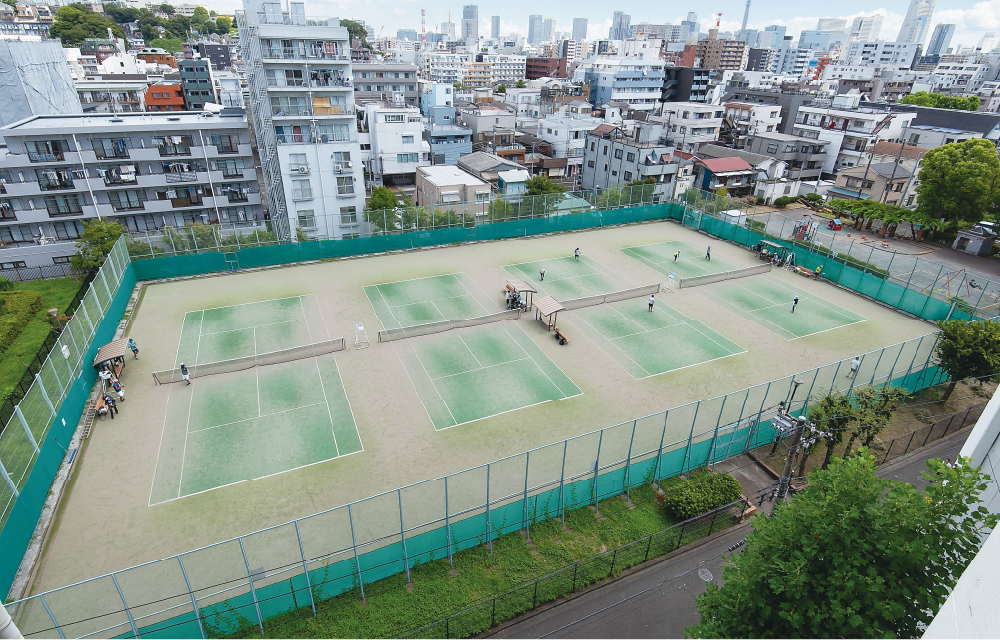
point(815, 198)
point(6, 285)
point(19, 308)
point(784, 201)
point(704, 492)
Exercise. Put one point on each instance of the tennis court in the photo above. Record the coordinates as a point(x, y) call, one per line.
point(647, 344)
point(567, 278)
point(470, 374)
point(768, 302)
point(409, 303)
point(691, 262)
point(248, 421)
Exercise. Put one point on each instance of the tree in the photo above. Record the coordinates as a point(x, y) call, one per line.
point(961, 183)
point(520, 84)
point(874, 409)
point(199, 15)
point(167, 9)
point(941, 101)
point(541, 197)
point(223, 25)
point(502, 88)
point(968, 350)
point(12, 3)
point(539, 185)
point(95, 244)
point(381, 210)
point(120, 14)
point(854, 555)
point(356, 30)
point(833, 413)
point(75, 22)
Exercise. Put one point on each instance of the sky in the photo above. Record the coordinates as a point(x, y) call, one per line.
point(972, 18)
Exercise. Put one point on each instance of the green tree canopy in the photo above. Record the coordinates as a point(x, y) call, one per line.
point(381, 210)
point(167, 9)
point(356, 30)
point(520, 84)
point(95, 244)
point(941, 101)
point(539, 185)
point(120, 14)
point(852, 556)
point(75, 22)
point(961, 183)
point(502, 88)
point(968, 350)
point(223, 25)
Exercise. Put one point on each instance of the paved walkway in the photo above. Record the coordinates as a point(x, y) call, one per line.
point(657, 601)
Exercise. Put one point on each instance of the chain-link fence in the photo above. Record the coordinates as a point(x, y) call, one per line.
point(486, 614)
point(938, 427)
point(225, 587)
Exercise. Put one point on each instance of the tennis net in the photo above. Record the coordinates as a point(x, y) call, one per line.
point(387, 335)
point(694, 281)
point(168, 376)
point(614, 296)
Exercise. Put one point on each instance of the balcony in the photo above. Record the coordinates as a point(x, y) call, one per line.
point(59, 211)
point(55, 185)
point(7, 212)
point(237, 195)
point(44, 156)
point(296, 112)
point(309, 54)
point(180, 176)
point(111, 180)
point(187, 201)
point(128, 205)
point(167, 151)
point(228, 172)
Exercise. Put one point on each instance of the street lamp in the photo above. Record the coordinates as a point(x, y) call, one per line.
point(55, 314)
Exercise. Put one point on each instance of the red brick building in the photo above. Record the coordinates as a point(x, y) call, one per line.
point(165, 96)
point(536, 68)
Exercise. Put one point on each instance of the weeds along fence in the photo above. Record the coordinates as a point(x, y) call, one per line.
point(938, 427)
point(219, 589)
point(38, 427)
point(485, 615)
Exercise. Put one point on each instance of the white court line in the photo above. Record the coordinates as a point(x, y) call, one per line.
point(820, 301)
point(410, 304)
point(266, 324)
point(613, 273)
point(443, 318)
point(748, 315)
point(471, 351)
point(595, 330)
point(657, 266)
point(243, 304)
point(326, 401)
point(256, 370)
point(500, 413)
point(564, 396)
point(159, 447)
point(462, 284)
point(319, 308)
point(481, 368)
point(187, 425)
point(435, 388)
point(302, 308)
point(386, 303)
point(266, 415)
point(443, 275)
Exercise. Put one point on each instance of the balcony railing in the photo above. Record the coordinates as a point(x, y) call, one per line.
point(57, 211)
point(234, 195)
point(228, 172)
point(56, 185)
point(125, 205)
point(295, 54)
point(181, 176)
point(44, 156)
point(166, 151)
point(7, 212)
point(112, 153)
point(125, 178)
point(187, 201)
point(291, 112)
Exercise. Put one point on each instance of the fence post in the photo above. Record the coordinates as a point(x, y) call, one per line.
point(24, 423)
point(892, 369)
point(402, 532)
point(909, 442)
point(659, 451)
point(835, 374)
point(614, 557)
point(489, 524)
point(354, 544)
point(576, 566)
point(10, 483)
point(527, 462)
point(712, 526)
point(913, 360)
point(493, 616)
point(305, 568)
point(447, 523)
point(854, 377)
point(687, 452)
point(715, 436)
point(194, 601)
point(53, 618)
point(128, 612)
point(253, 590)
point(597, 470)
point(534, 598)
point(888, 449)
point(680, 538)
point(888, 275)
point(562, 484)
point(927, 362)
point(45, 396)
point(945, 429)
point(628, 465)
point(55, 373)
point(86, 316)
point(649, 545)
point(930, 293)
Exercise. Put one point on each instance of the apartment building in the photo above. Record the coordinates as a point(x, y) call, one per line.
point(526, 103)
point(613, 157)
point(393, 81)
point(26, 20)
point(165, 96)
point(743, 120)
point(442, 67)
point(448, 140)
point(123, 94)
point(393, 144)
point(639, 83)
point(505, 68)
point(722, 54)
point(435, 94)
point(302, 104)
point(537, 68)
point(804, 157)
point(477, 75)
point(685, 84)
point(144, 170)
point(196, 77)
point(693, 124)
point(452, 188)
point(567, 137)
point(487, 122)
point(848, 127)
point(879, 53)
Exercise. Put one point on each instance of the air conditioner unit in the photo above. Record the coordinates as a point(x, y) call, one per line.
point(303, 169)
point(339, 168)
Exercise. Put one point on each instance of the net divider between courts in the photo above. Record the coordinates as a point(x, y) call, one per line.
point(168, 376)
point(387, 335)
point(693, 281)
point(614, 296)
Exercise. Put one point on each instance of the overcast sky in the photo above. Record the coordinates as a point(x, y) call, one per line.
point(973, 19)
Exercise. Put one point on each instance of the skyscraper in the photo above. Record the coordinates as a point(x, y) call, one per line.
point(534, 29)
point(866, 29)
point(579, 29)
point(621, 26)
point(495, 27)
point(548, 29)
point(831, 24)
point(916, 24)
point(470, 22)
point(940, 39)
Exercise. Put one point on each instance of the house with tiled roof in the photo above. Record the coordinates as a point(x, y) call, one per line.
point(736, 175)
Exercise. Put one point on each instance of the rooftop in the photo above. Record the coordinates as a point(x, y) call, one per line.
point(888, 170)
point(724, 165)
point(784, 137)
point(718, 151)
point(480, 161)
point(448, 175)
point(909, 151)
point(118, 122)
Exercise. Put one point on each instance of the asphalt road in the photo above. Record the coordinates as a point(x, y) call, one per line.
point(657, 601)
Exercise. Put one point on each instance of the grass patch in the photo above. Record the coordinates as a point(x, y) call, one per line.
point(392, 610)
point(58, 293)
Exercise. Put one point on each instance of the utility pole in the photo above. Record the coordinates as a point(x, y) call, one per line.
point(786, 474)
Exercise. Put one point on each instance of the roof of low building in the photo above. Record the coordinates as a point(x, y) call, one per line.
point(718, 151)
point(909, 151)
point(887, 170)
point(721, 165)
point(444, 175)
point(514, 175)
point(480, 161)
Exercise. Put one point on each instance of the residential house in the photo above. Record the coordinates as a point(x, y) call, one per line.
point(486, 166)
point(452, 188)
point(381, 81)
point(396, 146)
point(165, 96)
point(613, 157)
point(804, 157)
point(735, 175)
point(743, 120)
point(567, 137)
point(448, 140)
point(693, 124)
point(616, 79)
point(887, 182)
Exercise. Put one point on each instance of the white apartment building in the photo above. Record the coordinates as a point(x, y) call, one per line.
point(526, 102)
point(693, 123)
point(639, 83)
point(302, 103)
point(792, 62)
point(437, 66)
point(506, 69)
point(961, 77)
point(568, 137)
point(392, 137)
point(743, 120)
point(849, 72)
point(879, 54)
point(849, 128)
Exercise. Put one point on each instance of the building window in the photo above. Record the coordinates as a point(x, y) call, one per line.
point(592, 145)
point(18, 264)
point(590, 163)
point(345, 186)
point(407, 139)
point(66, 205)
point(482, 196)
point(296, 160)
point(226, 143)
point(630, 157)
point(349, 215)
point(341, 156)
point(62, 259)
point(772, 148)
point(770, 128)
point(408, 157)
point(111, 147)
point(605, 149)
point(307, 219)
point(124, 200)
point(628, 176)
point(618, 154)
point(301, 190)
point(394, 117)
point(68, 230)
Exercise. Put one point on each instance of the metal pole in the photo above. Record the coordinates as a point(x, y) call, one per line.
point(892, 370)
point(835, 374)
point(851, 388)
point(527, 529)
point(128, 612)
point(888, 271)
point(687, 453)
point(877, 363)
point(253, 590)
point(628, 464)
point(107, 289)
point(597, 469)
point(447, 523)
point(930, 293)
point(786, 474)
point(194, 601)
point(24, 423)
point(86, 316)
point(402, 530)
point(354, 544)
point(54, 623)
point(489, 524)
point(10, 483)
point(562, 484)
point(305, 568)
point(55, 372)
point(659, 451)
point(45, 396)
point(715, 436)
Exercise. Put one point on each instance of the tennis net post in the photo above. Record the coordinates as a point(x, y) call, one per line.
point(168, 376)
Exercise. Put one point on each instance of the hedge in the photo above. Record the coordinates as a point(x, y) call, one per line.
point(704, 492)
point(17, 309)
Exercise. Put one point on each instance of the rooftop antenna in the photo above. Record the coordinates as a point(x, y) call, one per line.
point(746, 16)
point(423, 27)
